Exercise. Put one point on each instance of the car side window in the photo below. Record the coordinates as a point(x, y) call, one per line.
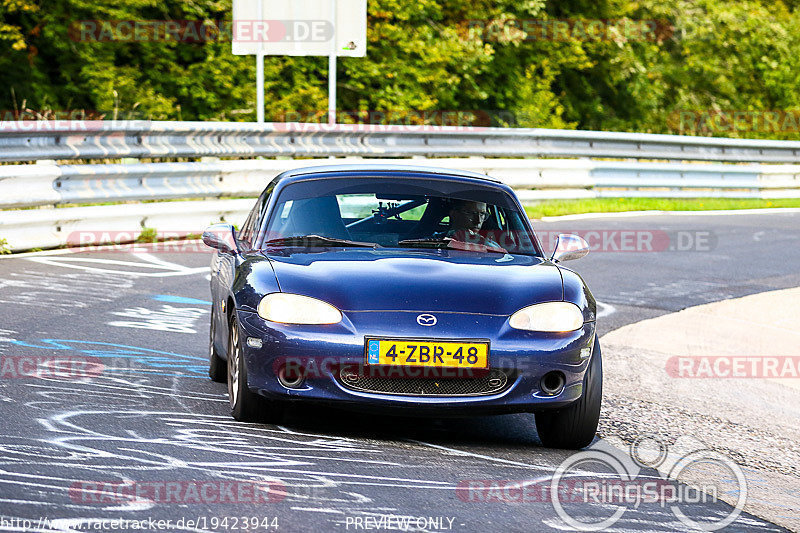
point(245, 235)
point(259, 221)
point(253, 223)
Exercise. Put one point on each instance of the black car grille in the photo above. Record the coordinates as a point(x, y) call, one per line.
point(492, 382)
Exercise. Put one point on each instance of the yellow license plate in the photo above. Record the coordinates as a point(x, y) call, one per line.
point(412, 352)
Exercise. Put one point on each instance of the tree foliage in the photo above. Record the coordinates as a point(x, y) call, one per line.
point(506, 62)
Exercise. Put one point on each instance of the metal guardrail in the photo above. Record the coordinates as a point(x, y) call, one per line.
point(32, 140)
point(534, 179)
point(50, 184)
point(43, 184)
point(80, 226)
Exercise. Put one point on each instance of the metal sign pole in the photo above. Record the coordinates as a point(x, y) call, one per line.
point(332, 70)
point(260, 86)
point(260, 68)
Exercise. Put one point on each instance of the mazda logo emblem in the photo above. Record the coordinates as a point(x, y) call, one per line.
point(426, 320)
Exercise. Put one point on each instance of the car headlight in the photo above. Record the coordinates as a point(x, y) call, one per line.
point(296, 309)
point(550, 316)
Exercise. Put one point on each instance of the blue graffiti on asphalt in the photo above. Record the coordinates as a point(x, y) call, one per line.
point(179, 300)
point(193, 366)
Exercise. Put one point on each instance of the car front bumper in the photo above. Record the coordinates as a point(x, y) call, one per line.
point(324, 351)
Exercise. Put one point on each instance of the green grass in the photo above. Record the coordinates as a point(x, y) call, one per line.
point(148, 235)
point(4, 249)
point(615, 205)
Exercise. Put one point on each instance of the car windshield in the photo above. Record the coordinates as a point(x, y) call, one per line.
point(398, 213)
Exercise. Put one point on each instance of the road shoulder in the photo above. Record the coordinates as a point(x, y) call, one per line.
point(753, 420)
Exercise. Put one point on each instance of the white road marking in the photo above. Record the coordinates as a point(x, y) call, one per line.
point(85, 263)
point(604, 309)
point(453, 451)
point(142, 246)
point(316, 510)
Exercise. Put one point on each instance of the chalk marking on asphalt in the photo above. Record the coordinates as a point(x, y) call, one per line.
point(168, 318)
point(149, 389)
point(178, 300)
point(426, 483)
point(316, 510)
point(345, 440)
point(463, 453)
point(605, 309)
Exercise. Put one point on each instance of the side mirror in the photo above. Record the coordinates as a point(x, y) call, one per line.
point(569, 247)
point(222, 237)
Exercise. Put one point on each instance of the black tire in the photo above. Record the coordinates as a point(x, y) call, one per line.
point(217, 367)
point(246, 406)
point(574, 426)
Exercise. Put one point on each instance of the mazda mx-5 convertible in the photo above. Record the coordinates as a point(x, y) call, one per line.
point(402, 289)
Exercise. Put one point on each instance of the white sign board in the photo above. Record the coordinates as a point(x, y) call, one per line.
point(300, 27)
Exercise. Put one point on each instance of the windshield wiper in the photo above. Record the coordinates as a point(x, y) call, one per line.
point(424, 243)
point(317, 240)
point(452, 244)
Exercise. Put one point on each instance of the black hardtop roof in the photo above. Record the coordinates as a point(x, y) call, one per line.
point(401, 168)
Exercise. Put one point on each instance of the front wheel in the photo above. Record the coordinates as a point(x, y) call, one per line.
point(574, 426)
point(246, 406)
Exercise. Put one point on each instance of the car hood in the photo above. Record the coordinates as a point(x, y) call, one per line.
point(424, 281)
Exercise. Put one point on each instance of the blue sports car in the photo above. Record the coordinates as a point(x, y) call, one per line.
point(402, 289)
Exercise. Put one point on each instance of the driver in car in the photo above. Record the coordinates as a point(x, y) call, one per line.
point(466, 219)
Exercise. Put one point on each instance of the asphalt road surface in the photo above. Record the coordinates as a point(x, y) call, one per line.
point(72, 449)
